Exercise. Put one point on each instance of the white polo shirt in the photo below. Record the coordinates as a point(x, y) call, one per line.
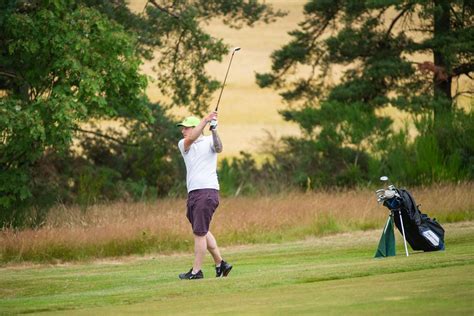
point(201, 164)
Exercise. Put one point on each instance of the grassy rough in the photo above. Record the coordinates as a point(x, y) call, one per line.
point(121, 229)
point(330, 275)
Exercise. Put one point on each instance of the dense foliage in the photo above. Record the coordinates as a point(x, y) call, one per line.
point(411, 55)
point(67, 64)
point(61, 64)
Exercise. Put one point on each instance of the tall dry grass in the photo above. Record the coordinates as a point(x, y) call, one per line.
point(137, 228)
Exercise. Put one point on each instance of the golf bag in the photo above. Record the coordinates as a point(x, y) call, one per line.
point(421, 232)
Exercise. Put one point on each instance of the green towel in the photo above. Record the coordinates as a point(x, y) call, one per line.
point(386, 246)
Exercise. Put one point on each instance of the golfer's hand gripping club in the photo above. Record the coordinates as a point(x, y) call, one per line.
point(213, 120)
point(213, 125)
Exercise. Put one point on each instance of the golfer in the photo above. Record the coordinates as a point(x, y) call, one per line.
point(200, 156)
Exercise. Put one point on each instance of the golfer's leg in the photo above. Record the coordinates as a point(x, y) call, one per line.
point(212, 248)
point(199, 252)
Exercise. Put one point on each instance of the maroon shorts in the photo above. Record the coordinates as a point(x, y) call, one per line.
point(201, 206)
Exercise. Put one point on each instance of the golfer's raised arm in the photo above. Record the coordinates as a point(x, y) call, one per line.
point(197, 131)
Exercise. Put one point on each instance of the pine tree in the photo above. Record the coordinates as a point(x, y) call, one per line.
point(407, 54)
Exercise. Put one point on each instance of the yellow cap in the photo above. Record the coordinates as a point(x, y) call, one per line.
point(190, 121)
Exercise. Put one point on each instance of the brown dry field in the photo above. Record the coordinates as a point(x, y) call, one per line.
point(247, 113)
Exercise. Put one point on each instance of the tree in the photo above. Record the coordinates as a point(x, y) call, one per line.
point(61, 64)
point(64, 63)
point(171, 34)
point(377, 47)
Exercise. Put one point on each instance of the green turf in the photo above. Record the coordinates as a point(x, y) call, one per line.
point(330, 275)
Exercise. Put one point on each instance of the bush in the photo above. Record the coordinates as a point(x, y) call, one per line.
point(143, 163)
point(442, 152)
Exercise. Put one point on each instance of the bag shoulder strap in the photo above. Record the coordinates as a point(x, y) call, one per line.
point(411, 206)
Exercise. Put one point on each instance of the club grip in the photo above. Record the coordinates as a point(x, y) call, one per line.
point(212, 125)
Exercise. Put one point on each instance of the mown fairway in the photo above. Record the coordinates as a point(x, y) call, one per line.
point(329, 275)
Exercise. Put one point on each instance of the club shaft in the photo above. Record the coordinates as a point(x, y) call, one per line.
point(225, 78)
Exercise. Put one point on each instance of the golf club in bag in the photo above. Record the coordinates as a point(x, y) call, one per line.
point(420, 231)
point(213, 123)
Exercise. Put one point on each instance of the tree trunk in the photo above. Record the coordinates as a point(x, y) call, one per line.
point(442, 77)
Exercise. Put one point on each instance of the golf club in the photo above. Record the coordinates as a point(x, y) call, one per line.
point(212, 125)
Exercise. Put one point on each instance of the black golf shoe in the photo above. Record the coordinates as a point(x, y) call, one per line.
point(190, 276)
point(223, 269)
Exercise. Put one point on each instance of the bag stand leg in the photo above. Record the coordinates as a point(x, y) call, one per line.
point(403, 231)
